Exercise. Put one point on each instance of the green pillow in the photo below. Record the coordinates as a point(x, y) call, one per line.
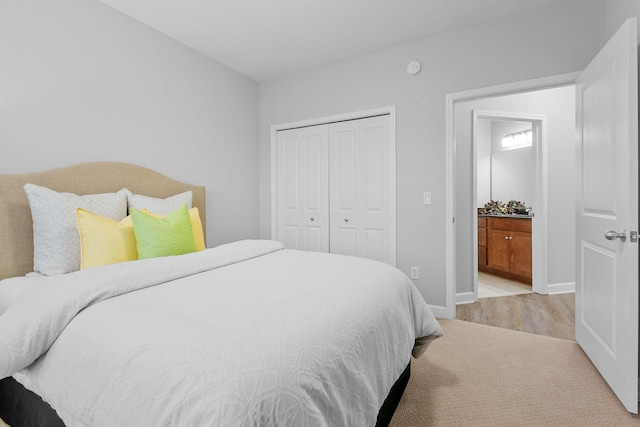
point(170, 235)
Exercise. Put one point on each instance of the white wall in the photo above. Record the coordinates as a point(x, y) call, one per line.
point(544, 42)
point(558, 105)
point(614, 13)
point(80, 81)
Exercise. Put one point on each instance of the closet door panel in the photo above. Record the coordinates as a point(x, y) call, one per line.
point(343, 203)
point(359, 184)
point(343, 170)
point(291, 236)
point(291, 187)
point(316, 158)
point(344, 239)
point(374, 244)
point(288, 192)
point(375, 186)
point(373, 146)
point(342, 189)
point(315, 215)
point(302, 178)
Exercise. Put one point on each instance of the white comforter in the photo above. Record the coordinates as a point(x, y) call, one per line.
point(244, 334)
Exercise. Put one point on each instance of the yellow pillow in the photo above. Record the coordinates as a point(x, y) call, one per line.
point(196, 225)
point(104, 241)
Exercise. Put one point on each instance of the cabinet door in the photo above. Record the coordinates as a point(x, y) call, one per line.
point(482, 237)
point(498, 249)
point(302, 180)
point(361, 189)
point(482, 243)
point(482, 257)
point(520, 253)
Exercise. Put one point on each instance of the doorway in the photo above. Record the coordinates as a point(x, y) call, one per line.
point(551, 173)
point(509, 189)
point(462, 227)
point(550, 113)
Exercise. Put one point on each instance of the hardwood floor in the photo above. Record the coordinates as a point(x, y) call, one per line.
point(549, 315)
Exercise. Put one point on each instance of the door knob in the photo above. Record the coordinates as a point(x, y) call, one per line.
point(613, 235)
point(312, 219)
point(346, 220)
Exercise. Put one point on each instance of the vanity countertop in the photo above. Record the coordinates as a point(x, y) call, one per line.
point(505, 216)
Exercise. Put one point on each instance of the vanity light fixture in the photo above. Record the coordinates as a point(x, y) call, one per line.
point(518, 139)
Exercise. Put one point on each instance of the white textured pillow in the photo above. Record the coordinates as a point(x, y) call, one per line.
point(56, 243)
point(158, 206)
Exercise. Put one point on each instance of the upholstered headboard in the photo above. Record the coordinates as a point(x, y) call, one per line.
point(16, 226)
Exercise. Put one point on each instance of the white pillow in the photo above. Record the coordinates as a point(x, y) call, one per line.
point(56, 243)
point(158, 206)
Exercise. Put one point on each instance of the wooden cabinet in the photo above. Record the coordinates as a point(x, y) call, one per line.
point(508, 247)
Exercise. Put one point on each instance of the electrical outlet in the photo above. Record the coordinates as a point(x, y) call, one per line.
point(415, 273)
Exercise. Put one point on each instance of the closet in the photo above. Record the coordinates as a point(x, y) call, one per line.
point(335, 188)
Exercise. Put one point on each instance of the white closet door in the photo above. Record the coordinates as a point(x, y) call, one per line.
point(303, 221)
point(361, 180)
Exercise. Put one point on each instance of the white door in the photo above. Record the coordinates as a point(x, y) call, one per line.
point(302, 179)
point(607, 203)
point(362, 189)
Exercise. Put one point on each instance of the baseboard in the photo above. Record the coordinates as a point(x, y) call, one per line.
point(561, 288)
point(439, 311)
point(465, 298)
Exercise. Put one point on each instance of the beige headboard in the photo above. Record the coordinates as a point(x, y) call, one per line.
point(16, 227)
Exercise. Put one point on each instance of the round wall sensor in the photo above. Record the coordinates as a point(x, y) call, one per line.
point(413, 67)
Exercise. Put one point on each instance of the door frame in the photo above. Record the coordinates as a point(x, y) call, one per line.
point(449, 310)
point(539, 220)
point(355, 115)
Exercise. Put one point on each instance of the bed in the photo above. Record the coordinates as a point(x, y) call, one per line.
point(245, 333)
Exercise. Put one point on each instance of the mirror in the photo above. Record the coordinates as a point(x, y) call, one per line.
point(505, 169)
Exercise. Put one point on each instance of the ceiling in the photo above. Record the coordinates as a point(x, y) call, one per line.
point(264, 39)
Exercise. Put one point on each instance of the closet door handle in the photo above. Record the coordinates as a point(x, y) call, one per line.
point(346, 220)
point(312, 219)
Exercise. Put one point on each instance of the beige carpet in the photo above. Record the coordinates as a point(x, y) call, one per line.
point(477, 375)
